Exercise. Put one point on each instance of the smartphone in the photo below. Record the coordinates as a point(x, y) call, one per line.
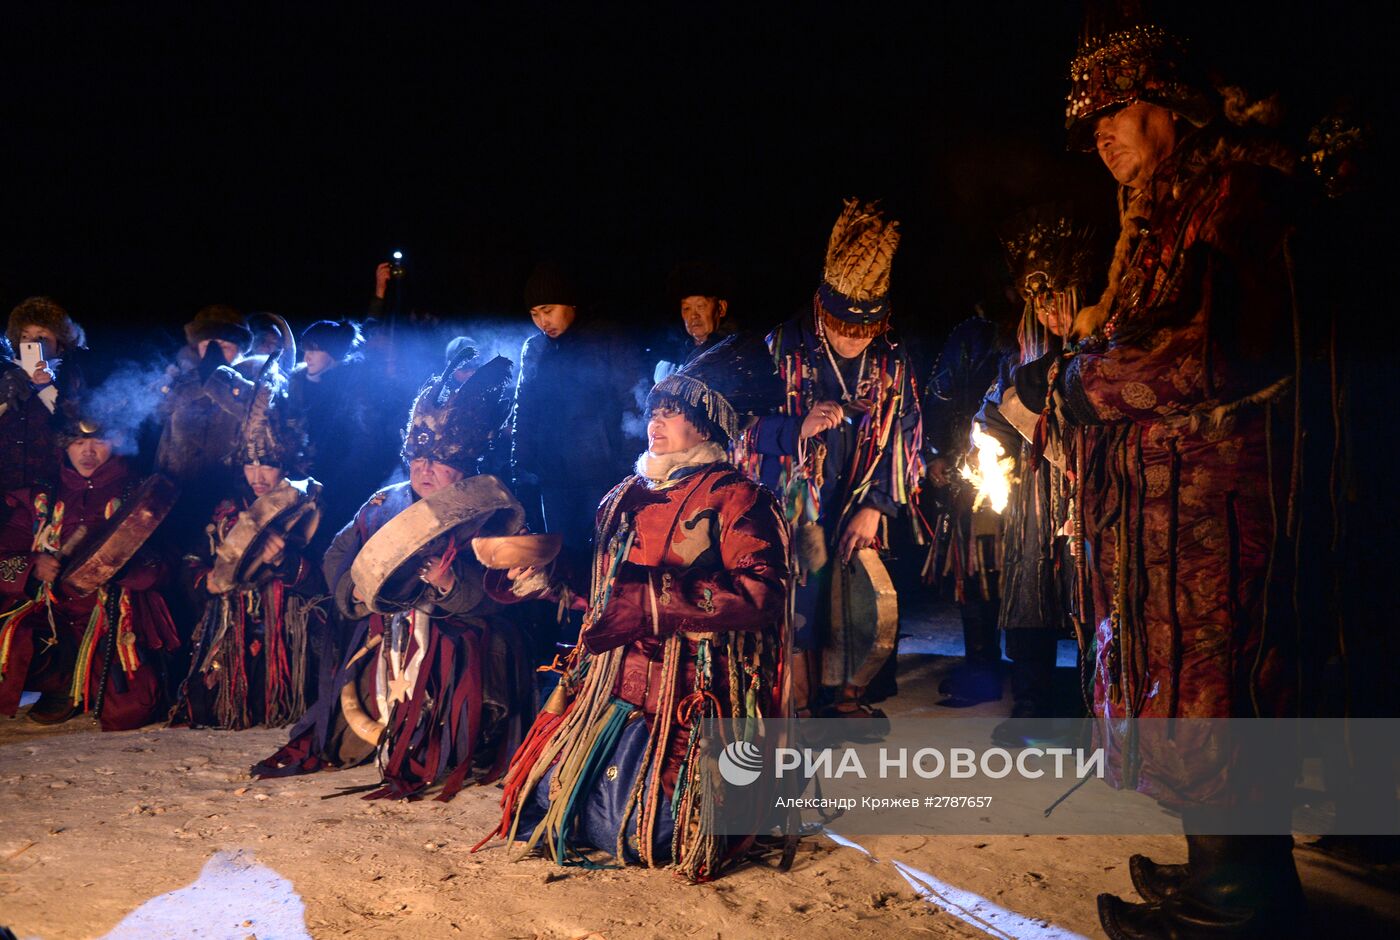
point(31, 354)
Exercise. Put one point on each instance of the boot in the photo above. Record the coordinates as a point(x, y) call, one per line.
point(1156, 882)
point(1237, 887)
point(53, 708)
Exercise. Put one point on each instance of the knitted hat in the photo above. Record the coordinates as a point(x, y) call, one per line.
point(218, 321)
point(336, 338)
point(734, 377)
point(854, 294)
point(44, 312)
point(548, 284)
point(453, 424)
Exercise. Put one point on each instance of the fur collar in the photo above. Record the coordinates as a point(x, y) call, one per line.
point(659, 469)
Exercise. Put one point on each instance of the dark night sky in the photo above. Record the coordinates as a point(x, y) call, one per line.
point(160, 157)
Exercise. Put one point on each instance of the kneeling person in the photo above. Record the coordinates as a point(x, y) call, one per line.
point(56, 641)
point(431, 681)
point(682, 640)
point(252, 662)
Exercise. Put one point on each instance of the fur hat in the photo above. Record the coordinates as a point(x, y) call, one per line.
point(453, 424)
point(1142, 62)
point(44, 312)
point(854, 294)
point(734, 377)
point(548, 284)
point(218, 321)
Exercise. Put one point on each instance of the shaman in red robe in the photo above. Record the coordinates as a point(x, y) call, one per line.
point(1171, 400)
point(52, 642)
point(683, 632)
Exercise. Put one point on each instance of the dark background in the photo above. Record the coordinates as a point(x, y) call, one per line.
point(160, 157)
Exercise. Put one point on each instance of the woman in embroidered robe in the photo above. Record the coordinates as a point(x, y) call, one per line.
point(682, 641)
point(54, 642)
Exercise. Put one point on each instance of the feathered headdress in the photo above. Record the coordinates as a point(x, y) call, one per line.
point(854, 294)
point(271, 433)
point(451, 422)
point(731, 379)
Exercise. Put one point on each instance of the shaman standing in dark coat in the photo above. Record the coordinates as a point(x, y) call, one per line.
point(967, 548)
point(52, 641)
point(843, 450)
point(1173, 397)
point(1051, 262)
point(575, 386)
point(682, 641)
point(441, 689)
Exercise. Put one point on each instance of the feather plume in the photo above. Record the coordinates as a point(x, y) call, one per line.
point(860, 251)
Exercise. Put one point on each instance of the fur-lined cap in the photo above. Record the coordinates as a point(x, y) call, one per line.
point(218, 321)
point(44, 312)
point(856, 279)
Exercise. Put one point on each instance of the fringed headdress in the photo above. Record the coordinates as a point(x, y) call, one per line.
point(1052, 261)
point(854, 294)
point(732, 379)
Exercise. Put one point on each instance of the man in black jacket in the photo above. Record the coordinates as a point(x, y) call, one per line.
point(571, 399)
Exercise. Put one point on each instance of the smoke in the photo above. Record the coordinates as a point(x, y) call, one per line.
point(493, 337)
point(635, 420)
point(126, 400)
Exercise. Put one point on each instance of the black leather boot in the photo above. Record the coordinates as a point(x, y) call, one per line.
point(1237, 887)
point(1155, 882)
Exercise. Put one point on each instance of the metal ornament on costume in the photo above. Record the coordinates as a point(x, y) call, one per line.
point(386, 570)
point(454, 423)
point(289, 510)
point(102, 554)
point(1139, 63)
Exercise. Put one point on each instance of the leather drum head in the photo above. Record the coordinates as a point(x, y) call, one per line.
point(864, 621)
point(105, 552)
point(386, 569)
point(289, 510)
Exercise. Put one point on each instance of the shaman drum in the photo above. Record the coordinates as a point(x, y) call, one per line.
point(289, 510)
point(386, 569)
point(517, 551)
point(864, 621)
point(105, 552)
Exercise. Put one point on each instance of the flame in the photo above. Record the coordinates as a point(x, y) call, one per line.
point(992, 474)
